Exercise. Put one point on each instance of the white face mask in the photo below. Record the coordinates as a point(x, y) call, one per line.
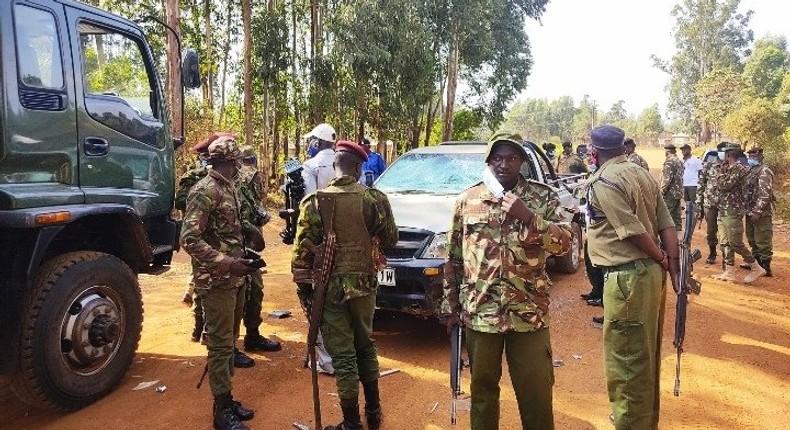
point(492, 183)
point(721, 155)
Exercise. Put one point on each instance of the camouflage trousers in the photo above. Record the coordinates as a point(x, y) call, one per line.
point(347, 328)
point(674, 210)
point(731, 238)
point(529, 362)
point(222, 309)
point(253, 305)
point(760, 236)
point(634, 304)
point(712, 226)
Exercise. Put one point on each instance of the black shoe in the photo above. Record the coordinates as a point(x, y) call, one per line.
point(598, 320)
point(243, 413)
point(241, 360)
point(373, 418)
point(711, 257)
point(595, 302)
point(351, 420)
point(373, 414)
point(226, 419)
point(587, 296)
point(260, 343)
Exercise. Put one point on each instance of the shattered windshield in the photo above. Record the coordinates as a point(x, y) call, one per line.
point(432, 173)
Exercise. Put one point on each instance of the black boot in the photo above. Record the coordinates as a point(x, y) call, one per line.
point(224, 416)
point(241, 359)
point(351, 420)
point(200, 322)
point(712, 256)
point(372, 404)
point(243, 413)
point(253, 341)
point(765, 262)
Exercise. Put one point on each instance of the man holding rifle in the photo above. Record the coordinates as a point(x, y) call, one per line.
point(357, 220)
point(632, 237)
point(497, 287)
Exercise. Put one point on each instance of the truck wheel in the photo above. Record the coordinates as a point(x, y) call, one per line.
point(570, 262)
point(80, 328)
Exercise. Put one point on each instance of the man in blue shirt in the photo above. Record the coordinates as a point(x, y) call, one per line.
point(374, 167)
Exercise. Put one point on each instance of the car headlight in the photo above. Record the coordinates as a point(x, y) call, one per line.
point(437, 248)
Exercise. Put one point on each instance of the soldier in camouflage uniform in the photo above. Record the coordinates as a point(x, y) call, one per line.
point(250, 187)
point(759, 209)
point(672, 183)
point(497, 287)
point(732, 207)
point(628, 224)
point(212, 235)
point(362, 221)
point(630, 155)
point(568, 162)
point(708, 200)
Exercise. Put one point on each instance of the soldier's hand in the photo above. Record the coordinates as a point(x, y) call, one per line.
point(239, 267)
point(451, 321)
point(516, 208)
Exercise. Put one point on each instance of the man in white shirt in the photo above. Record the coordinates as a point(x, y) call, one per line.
point(318, 170)
point(691, 167)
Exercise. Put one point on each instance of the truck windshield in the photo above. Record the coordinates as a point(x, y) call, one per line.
point(432, 173)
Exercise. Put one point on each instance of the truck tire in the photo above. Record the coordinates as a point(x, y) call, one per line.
point(570, 262)
point(79, 330)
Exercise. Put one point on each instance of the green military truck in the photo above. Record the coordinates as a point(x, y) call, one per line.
point(86, 192)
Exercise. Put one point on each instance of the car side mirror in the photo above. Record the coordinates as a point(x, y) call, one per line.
point(190, 69)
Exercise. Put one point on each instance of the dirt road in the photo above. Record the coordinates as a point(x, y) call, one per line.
point(736, 371)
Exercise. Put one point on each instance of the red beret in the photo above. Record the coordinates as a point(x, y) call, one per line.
point(203, 146)
point(346, 146)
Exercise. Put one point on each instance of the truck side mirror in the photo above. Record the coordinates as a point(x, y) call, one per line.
point(190, 69)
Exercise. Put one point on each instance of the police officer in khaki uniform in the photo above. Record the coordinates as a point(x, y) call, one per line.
point(214, 238)
point(632, 237)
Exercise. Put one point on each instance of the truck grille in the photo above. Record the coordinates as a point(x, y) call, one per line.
point(410, 242)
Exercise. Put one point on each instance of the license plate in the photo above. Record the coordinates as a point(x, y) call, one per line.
point(387, 277)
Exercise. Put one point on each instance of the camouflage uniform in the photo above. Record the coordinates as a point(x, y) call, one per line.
point(638, 160)
point(212, 235)
point(496, 281)
point(708, 202)
point(570, 164)
point(760, 201)
point(624, 201)
point(732, 207)
point(347, 320)
point(672, 187)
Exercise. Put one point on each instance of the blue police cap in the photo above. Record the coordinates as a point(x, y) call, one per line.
point(607, 137)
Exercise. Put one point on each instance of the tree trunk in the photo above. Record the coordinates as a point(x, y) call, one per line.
point(294, 87)
point(208, 82)
point(452, 83)
point(173, 67)
point(225, 65)
point(248, 114)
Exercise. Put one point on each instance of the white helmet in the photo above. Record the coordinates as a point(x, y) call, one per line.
point(322, 131)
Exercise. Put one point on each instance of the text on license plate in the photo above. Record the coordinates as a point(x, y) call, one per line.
point(387, 277)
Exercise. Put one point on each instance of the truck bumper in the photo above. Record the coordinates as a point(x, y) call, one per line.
point(417, 291)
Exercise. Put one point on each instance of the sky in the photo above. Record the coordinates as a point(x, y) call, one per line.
point(603, 48)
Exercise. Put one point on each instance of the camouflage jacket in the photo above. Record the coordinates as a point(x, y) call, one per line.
point(185, 183)
point(380, 225)
point(495, 273)
point(212, 231)
point(760, 191)
point(638, 160)
point(571, 163)
point(731, 181)
point(672, 178)
point(707, 187)
point(250, 188)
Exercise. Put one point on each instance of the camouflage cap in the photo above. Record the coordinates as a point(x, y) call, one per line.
point(755, 150)
point(733, 147)
point(511, 139)
point(670, 147)
point(247, 151)
point(223, 149)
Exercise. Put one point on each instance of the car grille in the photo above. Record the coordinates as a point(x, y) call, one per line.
point(410, 241)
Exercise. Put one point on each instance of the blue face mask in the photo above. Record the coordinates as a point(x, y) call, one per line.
point(753, 162)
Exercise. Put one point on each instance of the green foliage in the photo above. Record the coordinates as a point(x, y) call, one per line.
point(717, 94)
point(466, 123)
point(649, 124)
point(766, 67)
point(756, 122)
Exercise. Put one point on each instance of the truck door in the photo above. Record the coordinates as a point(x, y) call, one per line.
point(38, 154)
point(125, 152)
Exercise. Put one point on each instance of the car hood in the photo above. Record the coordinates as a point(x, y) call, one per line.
point(425, 211)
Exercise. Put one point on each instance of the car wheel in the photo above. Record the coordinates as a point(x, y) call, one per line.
point(80, 328)
point(570, 262)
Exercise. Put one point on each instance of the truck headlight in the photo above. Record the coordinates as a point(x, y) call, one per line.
point(437, 248)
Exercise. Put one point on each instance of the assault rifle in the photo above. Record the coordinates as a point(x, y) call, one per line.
point(686, 285)
point(456, 366)
point(324, 256)
point(294, 193)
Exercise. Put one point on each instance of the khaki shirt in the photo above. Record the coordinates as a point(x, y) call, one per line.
point(623, 201)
